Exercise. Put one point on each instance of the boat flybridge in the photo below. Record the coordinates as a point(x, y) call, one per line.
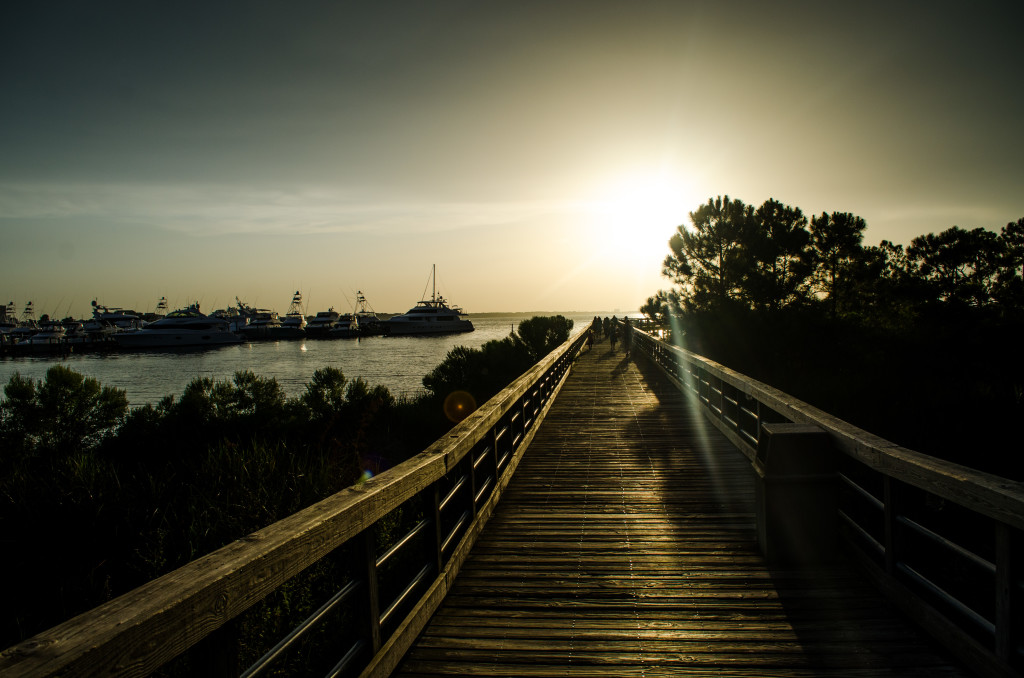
point(430, 316)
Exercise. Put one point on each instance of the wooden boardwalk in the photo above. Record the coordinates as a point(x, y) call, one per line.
point(625, 546)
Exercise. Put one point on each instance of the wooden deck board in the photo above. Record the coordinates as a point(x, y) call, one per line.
point(625, 546)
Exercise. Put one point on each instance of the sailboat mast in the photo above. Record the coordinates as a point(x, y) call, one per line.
point(433, 282)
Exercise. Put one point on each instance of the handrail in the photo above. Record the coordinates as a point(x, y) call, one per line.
point(140, 631)
point(946, 542)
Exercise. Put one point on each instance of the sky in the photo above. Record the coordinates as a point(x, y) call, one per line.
point(540, 153)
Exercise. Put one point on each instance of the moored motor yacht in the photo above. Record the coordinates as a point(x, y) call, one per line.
point(366, 317)
point(27, 327)
point(347, 327)
point(108, 319)
point(259, 323)
point(48, 338)
point(321, 324)
point(293, 326)
point(187, 327)
point(8, 319)
point(430, 316)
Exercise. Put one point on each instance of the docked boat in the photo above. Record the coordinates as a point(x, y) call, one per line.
point(363, 321)
point(322, 322)
point(293, 325)
point(232, 316)
point(187, 328)
point(74, 332)
point(366, 317)
point(27, 327)
point(430, 316)
point(160, 312)
point(109, 319)
point(8, 319)
point(259, 323)
point(48, 338)
point(347, 327)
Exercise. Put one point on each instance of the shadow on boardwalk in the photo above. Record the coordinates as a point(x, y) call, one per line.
point(625, 546)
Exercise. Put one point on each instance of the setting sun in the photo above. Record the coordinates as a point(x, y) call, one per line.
point(634, 216)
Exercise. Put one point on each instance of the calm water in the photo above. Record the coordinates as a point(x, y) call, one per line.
point(396, 362)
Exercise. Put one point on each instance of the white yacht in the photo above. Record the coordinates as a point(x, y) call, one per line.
point(187, 327)
point(430, 316)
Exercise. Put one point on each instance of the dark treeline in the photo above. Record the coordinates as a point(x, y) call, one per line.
point(96, 499)
point(918, 344)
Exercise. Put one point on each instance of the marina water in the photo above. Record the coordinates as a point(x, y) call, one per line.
point(398, 363)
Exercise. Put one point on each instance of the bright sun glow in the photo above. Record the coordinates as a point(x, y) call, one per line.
point(634, 216)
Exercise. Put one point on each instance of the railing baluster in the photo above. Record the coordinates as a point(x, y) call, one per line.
point(368, 545)
point(1004, 593)
point(890, 500)
point(467, 461)
point(433, 496)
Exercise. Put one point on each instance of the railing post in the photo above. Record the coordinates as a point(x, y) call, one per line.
point(1008, 599)
point(893, 543)
point(494, 451)
point(470, 467)
point(368, 546)
point(795, 494)
point(432, 499)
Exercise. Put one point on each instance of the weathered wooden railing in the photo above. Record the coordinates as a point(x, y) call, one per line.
point(941, 540)
point(445, 493)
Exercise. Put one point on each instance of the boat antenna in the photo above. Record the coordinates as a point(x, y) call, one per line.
point(424, 295)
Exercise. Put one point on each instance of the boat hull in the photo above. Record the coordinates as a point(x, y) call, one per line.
point(429, 327)
point(175, 338)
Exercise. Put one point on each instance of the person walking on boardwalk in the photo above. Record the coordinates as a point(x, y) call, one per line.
point(627, 336)
point(613, 332)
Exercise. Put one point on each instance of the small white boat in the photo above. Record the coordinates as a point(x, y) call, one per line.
point(187, 328)
point(430, 316)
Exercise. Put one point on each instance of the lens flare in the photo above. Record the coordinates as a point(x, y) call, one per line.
point(458, 405)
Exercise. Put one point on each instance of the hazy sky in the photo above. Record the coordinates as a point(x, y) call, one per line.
point(540, 153)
